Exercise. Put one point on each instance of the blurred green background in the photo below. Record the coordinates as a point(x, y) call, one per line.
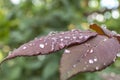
point(23, 20)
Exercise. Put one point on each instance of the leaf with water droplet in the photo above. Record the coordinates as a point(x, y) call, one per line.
point(91, 58)
point(51, 43)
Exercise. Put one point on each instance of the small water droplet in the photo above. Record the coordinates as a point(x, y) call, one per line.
point(118, 55)
point(97, 68)
point(91, 51)
point(41, 45)
point(104, 64)
point(30, 44)
point(86, 37)
point(74, 37)
point(52, 46)
point(74, 65)
point(80, 37)
point(95, 59)
point(105, 40)
point(88, 50)
point(66, 37)
point(67, 51)
point(24, 47)
point(61, 39)
point(91, 61)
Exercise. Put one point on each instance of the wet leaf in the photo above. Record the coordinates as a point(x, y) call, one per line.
point(51, 43)
point(95, 54)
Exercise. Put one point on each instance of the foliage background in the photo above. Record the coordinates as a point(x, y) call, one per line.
point(23, 20)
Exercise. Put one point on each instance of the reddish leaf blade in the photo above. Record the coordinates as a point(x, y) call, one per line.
point(51, 43)
point(96, 54)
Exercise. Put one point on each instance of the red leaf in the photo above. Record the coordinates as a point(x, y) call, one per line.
point(51, 43)
point(95, 54)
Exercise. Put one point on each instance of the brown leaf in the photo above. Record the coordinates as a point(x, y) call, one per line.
point(95, 54)
point(51, 43)
point(97, 28)
point(105, 31)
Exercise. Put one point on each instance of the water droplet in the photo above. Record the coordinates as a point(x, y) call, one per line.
point(86, 37)
point(118, 55)
point(104, 64)
point(97, 68)
point(41, 45)
point(91, 51)
point(95, 59)
point(105, 40)
point(67, 51)
point(52, 46)
point(80, 37)
point(61, 39)
point(74, 37)
point(30, 44)
point(91, 61)
point(24, 47)
point(74, 65)
point(66, 37)
point(88, 50)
